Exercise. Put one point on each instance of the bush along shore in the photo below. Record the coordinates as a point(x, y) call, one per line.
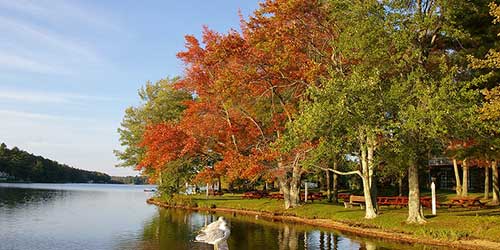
point(460, 228)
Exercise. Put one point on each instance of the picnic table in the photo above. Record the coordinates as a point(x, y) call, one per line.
point(312, 196)
point(276, 196)
point(343, 196)
point(255, 194)
point(466, 202)
point(400, 201)
point(426, 201)
point(215, 192)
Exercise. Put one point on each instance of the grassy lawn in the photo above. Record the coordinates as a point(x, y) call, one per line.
point(449, 224)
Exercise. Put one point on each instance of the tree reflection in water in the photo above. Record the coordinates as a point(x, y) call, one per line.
point(176, 229)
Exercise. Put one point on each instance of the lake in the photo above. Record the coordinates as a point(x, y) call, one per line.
point(104, 216)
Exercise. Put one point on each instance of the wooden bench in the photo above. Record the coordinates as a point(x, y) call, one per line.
point(355, 200)
point(466, 202)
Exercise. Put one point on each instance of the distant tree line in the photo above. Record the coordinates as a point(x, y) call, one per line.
point(137, 180)
point(24, 166)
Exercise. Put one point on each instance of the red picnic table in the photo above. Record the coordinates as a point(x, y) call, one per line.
point(466, 202)
point(426, 201)
point(276, 196)
point(344, 196)
point(402, 201)
point(255, 194)
point(392, 200)
point(312, 196)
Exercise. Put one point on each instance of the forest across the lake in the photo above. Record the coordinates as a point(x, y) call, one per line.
point(17, 165)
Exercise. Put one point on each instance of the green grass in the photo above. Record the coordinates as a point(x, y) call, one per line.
point(449, 224)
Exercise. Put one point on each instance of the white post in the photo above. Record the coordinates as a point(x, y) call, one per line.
point(305, 191)
point(433, 189)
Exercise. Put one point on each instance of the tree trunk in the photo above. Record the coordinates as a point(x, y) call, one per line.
point(458, 186)
point(286, 193)
point(496, 188)
point(295, 186)
point(465, 175)
point(400, 184)
point(161, 179)
point(320, 183)
point(328, 186)
point(294, 196)
point(371, 173)
point(290, 186)
point(335, 183)
point(486, 182)
point(415, 211)
point(370, 211)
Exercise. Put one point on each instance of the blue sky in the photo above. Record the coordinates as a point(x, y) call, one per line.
point(68, 69)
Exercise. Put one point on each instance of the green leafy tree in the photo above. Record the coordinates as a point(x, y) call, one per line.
point(348, 110)
point(431, 92)
point(160, 102)
point(490, 111)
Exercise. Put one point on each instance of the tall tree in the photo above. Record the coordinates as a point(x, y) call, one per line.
point(490, 111)
point(429, 90)
point(255, 80)
point(348, 110)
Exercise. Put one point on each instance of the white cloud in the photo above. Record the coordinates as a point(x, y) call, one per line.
point(57, 11)
point(6, 114)
point(25, 96)
point(48, 97)
point(19, 117)
point(38, 36)
point(41, 38)
point(16, 62)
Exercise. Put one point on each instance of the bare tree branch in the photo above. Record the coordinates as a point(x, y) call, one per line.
point(340, 172)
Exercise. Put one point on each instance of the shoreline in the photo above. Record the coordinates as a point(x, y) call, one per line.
point(344, 227)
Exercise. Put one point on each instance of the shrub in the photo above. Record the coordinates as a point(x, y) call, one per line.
point(179, 200)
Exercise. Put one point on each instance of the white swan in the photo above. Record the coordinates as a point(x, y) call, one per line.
point(215, 233)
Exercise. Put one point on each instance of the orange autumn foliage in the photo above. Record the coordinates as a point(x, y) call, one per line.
point(247, 86)
point(165, 142)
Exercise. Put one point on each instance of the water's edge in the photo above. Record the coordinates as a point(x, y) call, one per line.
point(345, 228)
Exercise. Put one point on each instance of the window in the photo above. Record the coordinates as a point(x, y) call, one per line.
point(446, 179)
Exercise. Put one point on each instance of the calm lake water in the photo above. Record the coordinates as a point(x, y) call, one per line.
point(96, 216)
